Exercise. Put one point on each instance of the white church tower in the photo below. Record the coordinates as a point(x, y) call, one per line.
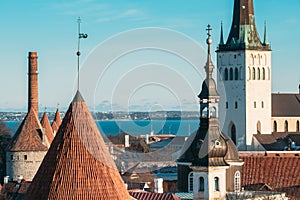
point(244, 70)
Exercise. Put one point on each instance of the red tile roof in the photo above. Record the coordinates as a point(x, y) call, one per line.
point(78, 164)
point(56, 122)
point(143, 195)
point(29, 135)
point(47, 128)
point(279, 173)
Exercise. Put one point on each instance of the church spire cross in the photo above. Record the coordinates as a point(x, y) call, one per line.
point(209, 66)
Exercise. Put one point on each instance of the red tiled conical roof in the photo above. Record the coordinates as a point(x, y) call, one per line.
point(29, 135)
point(78, 164)
point(47, 128)
point(56, 121)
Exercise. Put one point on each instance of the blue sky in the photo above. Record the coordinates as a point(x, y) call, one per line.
point(49, 27)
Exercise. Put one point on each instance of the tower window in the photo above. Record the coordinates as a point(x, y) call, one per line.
point(190, 183)
point(226, 104)
point(201, 184)
point(258, 127)
point(217, 188)
point(11, 157)
point(237, 181)
point(253, 73)
point(263, 74)
point(297, 126)
point(262, 104)
point(226, 74)
point(236, 74)
point(25, 157)
point(258, 73)
point(233, 133)
point(231, 74)
point(254, 104)
point(236, 105)
point(274, 126)
point(286, 126)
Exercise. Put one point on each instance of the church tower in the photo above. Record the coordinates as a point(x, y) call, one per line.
point(244, 70)
point(209, 165)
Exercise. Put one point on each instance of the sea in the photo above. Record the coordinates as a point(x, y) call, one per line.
point(137, 127)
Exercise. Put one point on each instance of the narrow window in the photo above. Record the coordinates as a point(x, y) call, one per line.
point(286, 126)
point(233, 133)
point(226, 104)
point(201, 184)
point(226, 74)
point(253, 73)
point(217, 188)
point(262, 104)
point(236, 74)
point(263, 74)
point(254, 104)
point(236, 105)
point(297, 126)
point(237, 181)
point(274, 126)
point(25, 157)
point(231, 74)
point(258, 73)
point(11, 157)
point(190, 183)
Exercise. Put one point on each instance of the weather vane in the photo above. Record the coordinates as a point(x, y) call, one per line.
point(80, 35)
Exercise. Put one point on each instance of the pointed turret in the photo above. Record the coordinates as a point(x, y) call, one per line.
point(243, 33)
point(78, 164)
point(266, 42)
point(47, 129)
point(56, 122)
point(221, 35)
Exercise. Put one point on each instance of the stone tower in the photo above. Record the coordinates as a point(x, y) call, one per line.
point(33, 93)
point(244, 70)
point(209, 165)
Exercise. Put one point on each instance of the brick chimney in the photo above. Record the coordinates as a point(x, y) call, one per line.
point(33, 95)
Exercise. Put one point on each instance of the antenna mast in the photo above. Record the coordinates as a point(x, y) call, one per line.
point(80, 35)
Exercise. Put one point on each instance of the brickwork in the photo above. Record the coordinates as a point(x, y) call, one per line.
point(33, 82)
point(25, 164)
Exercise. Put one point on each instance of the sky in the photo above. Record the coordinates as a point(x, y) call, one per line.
point(139, 55)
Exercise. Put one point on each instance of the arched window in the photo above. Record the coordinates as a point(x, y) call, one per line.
point(190, 183)
point(217, 188)
point(274, 126)
point(204, 112)
point(286, 126)
point(226, 104)
point(258, 73)
point(254, 104)
point(201, 184)
point(263, 74)
point(297, 126)
point(213, 112)
point(233, 133)
point(236, 105)
point(231, 74)
point(236, 74)
point(253, 73)
point(237, 181)
point(258, 125)
point(226, 74)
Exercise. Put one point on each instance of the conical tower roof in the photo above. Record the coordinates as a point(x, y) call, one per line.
point(47, 129)
point(29, 135)
point(78, 164)
point(56, 121)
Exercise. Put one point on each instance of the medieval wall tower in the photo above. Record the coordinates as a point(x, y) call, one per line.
point(244, 69)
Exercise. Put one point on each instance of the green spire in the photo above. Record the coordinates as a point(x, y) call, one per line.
point(266, 42)
point(221, 37)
